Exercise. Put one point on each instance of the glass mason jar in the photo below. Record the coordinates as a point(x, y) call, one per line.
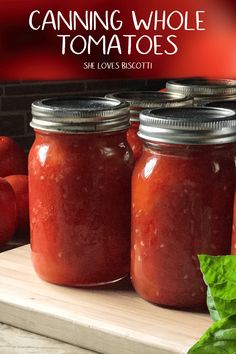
point(140, 100)
point(79, 190)
point(228, 102)
point(182, 201)
point(203, 89)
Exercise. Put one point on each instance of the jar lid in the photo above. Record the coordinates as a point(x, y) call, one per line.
point(198, 87)
point(80, 114)
point(140, 100)
point(188, 125)
point(229, 103)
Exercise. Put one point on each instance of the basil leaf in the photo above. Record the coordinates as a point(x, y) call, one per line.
point(220, 338)
point(219, 273)
point(211, 306)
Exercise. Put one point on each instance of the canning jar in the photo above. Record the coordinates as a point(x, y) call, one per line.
point(233, 244)
point(79, 190)
point(228, 102)
point(182, 201)
point(140, 100)
point(203, 89)
point(231, 104)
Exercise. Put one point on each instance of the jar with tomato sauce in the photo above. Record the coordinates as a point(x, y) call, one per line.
point(182, 201)
point(229, 102)
point(233, 244)
point(202, 89)
point(140, 100)
point(79, 190)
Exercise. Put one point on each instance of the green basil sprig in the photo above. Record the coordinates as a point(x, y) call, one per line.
point(219, 273)
point(220, 338)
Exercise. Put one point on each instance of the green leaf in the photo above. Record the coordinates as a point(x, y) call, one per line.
point(220, 338)
point(211, 306)
point(219, 273)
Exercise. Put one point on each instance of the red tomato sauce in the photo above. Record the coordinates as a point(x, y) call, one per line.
point(182, 202)
point(79, 187)
point(233, 245)
point(134, 141)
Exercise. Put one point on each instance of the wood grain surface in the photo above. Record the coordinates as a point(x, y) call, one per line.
point(17, 341)
point(110, 319)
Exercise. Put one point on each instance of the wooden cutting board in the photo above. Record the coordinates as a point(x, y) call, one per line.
point(110, 320)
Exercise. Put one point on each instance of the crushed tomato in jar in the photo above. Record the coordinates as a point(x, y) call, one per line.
point(79, 189)
point(140, 100)
point(182, 201)
point(230, 103)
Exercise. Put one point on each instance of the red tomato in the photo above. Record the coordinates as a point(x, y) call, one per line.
point(7, 211)
point(19, 184)
point(13, 160)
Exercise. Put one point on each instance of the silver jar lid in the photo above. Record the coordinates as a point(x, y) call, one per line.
point(140, 100)
point(229, 103)
point(199, 87)
point(82, 114)
point(188, 125)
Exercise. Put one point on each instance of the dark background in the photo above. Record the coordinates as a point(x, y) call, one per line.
point(16, 98)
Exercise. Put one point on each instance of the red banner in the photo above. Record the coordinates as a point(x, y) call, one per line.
point(113, 39)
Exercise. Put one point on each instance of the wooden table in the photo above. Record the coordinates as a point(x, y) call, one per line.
point(17, 341)
point(110, 319)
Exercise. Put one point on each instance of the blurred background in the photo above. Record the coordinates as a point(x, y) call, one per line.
point(16, 98)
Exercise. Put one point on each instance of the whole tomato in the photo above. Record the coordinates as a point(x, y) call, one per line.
point(13, 160)
point(7, 211)
point(19, 184)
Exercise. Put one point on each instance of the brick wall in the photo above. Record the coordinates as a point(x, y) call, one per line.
point(16, 98)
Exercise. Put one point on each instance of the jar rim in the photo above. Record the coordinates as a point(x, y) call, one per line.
point(140, 100)
point(188, 125)
point(200, 87)
point(80, 114)
point(228, 103)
